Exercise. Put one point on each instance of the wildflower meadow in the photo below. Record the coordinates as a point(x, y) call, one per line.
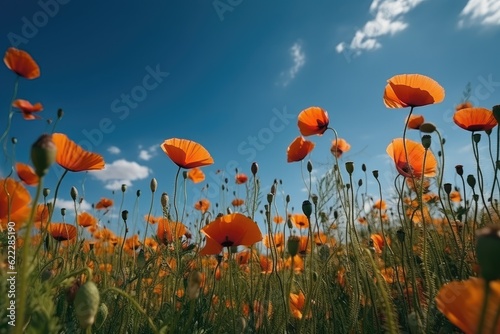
point(424, 257)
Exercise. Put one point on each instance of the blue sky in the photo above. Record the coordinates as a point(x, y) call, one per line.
point(233, 75)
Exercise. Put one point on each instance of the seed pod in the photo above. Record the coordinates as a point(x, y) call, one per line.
point(43, 154)
point(86, 304)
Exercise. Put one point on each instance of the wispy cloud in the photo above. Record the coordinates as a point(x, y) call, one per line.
point(69, 205)
point(480, 12)
point(388, 20)
point(299, 60)
point(121, 172)
point(114, 150)
point(147, 154)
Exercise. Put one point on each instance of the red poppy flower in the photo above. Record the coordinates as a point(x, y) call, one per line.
point(415, 121)
point(313, 121)
point(168, 231)
point(73, 157)
point(27, 174)
point(412, 90)
point(86, 219)
point(196, 175)
point(19, 198)
point(339, 147)
point(21, 63)
point(299, 149)
point(27, 109)
point(62, 231)
point(104, 203)
point(475, 119)
point(241, 178)
point(202, 205)
point(238, 202)
point(300, 220)
point(414, 166)
point(230, 230)
point(186, 153)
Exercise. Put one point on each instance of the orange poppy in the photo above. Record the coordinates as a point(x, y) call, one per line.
point(295, 262)
point(313, 121)
point(152, 220)
point(300, 220)
point(196, 175)
point(13, 192)
point(105, 235)
point(455, 196)
point(380, 204)
point(475, 119)
point(415, 121)
point(41, 216)
point(85, 219)
point(297, 304)
point(278, 238)
point(412, 90)
point(27, 109)
point(169, 231)
point(230, 230)
point(339, 146)
point(278, 219)
point(186, 153)
point(462, 303)
point(238, 202)
point(241, 178)
point(320, 238)
point(414, 167)
point(73, 157)
point(378, 242)
point(104, 203)
point(202, 205)
point(21, 63)
point(62, 231)
point(299, 149)
point(27, 174)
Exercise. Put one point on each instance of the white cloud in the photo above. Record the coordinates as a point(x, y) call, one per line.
point(148, 153)
point(480, 12)
point(114, 150)
point(121, 172)
point(70, 206)
point(388, 20)
point(299, 60)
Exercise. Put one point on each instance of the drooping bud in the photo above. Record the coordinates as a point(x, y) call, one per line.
point(43, 154)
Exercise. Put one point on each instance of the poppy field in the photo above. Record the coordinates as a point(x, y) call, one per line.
point(423, 259)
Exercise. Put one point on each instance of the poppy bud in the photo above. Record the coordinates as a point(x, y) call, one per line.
point(287, 198)
point(63, 212)
point(375, 174)
point(164, 200)
point(426, 141)
point(363, 167)
point(293, 245)
point(427, 128)
point(138, 193)
point(443, 141)
point(475, 197)
point(459, 169)
point(13, 140)
point(185, 174)
point(125, 215)
point(141, 259)
point(447, 188)
point(487, 249)
point(496, 113)
point(471, 181)
point(270, 198)
point(335, 214)
point(307, 208)
point(273, 189)
point(86, 304)
point(476, 137)
point(60, 113)
point(289, 223)
point(314, 198)
point(153, 185)
point(124, 188)
point(73, 193)
point(46, 192)
point(43, 154)
point(360, 182)
point(255, 168)
point(349, 166)
point(309, 166)
point(401, 235)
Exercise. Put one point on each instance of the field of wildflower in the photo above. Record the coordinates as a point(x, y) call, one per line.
point(428, 262)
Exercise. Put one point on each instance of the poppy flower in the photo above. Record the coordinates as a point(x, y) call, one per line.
point(339, 146)
point(104, 203)
point(168, 231)
point(455, 196)
point(297, 304)
point(202, 205)
point(475, 119)
point(186, 153)
point(415, 121)
point(152, 220)
point(18, 210)
point(238, 202)
point(462, 303)
point(196, 175)
point(41, 216)
point(313, 121)
point(21, 63)
point(378, 242)
point(27, 109)
point(380, 205)
point(300, 220)
point(278, 219)
point(295, 262)
point(62, 231)
point(73, 157)
point(27, 174)
point(278, 238)
point(412, 90)
point(241, 178)
point(414, 167)
point(299, 149)
point(230, 230)
point(85, 219)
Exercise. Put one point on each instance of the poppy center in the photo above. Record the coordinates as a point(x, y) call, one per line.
point(227, 242)
point(405, 168)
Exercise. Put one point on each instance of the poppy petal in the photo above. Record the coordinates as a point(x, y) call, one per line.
point(73, 157)
point(299, 149)
point(475, 119)
point(412, 90)
point(21, 63)
point(27, 174)
point(313, 121)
